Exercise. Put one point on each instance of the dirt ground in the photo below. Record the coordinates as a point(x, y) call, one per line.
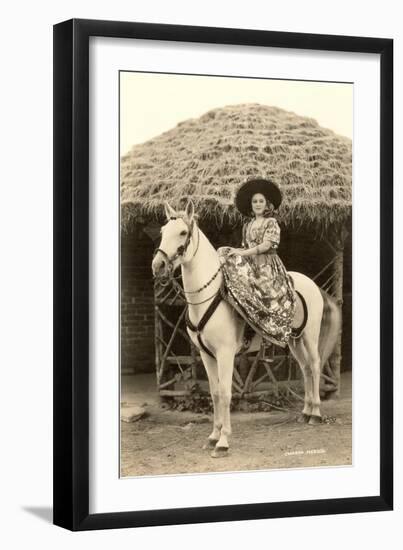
point(171, 442)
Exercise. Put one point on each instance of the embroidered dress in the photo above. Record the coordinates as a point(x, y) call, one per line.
point(258, 286)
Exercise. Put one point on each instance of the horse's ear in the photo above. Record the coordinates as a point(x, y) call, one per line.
point(190, 210)
point(169, 211)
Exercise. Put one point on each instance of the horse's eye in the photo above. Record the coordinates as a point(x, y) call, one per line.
point(183, 233)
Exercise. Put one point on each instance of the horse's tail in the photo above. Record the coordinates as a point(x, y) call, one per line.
point(329, 328)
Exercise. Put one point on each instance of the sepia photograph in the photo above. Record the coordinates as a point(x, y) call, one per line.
point(235, 274)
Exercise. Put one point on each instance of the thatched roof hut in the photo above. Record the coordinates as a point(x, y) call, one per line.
point(207, 158)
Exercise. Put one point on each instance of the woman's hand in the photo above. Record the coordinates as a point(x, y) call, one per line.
point(255, 251)
point(233, 251)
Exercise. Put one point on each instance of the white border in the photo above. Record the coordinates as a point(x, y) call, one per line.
point(108, 493)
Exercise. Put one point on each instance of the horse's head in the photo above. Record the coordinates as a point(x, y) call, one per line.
point(177, 245)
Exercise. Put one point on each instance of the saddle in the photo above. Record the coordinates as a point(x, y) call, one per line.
point(299, 323)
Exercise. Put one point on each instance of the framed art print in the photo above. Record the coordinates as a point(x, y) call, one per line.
point(223, 274)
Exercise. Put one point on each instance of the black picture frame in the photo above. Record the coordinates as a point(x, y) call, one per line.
point(71, 274)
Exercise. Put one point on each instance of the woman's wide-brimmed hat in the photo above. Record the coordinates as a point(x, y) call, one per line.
point(243, 197)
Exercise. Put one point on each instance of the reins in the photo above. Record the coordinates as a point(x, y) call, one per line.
point(182, 291)
point(205, 285)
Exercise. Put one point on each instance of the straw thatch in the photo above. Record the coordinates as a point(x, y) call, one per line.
point(207, 158)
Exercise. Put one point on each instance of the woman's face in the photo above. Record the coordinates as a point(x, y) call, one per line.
point(259, 204)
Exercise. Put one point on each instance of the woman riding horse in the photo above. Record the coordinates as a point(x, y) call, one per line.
point(213, 327)
point(255, 277)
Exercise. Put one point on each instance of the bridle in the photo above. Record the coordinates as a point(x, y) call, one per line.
point(214, 300)
point(181, 250)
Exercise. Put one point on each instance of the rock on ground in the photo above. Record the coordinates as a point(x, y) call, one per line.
point(131, 414)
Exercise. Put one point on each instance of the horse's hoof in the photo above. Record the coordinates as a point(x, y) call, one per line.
point(211, 443)
point(315, 420)
point(303, 418)
point(219, 452)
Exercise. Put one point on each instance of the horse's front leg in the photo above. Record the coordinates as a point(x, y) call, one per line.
point(225, 363)
point(210, 364)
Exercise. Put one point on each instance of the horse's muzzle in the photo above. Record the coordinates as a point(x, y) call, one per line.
point(159, 266)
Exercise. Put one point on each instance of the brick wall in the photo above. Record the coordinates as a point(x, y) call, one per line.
point(137, 302)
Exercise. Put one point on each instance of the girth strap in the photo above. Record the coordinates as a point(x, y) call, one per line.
point(297, 332)
point(203, 321)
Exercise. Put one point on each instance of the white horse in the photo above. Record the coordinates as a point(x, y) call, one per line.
point(220, 338)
